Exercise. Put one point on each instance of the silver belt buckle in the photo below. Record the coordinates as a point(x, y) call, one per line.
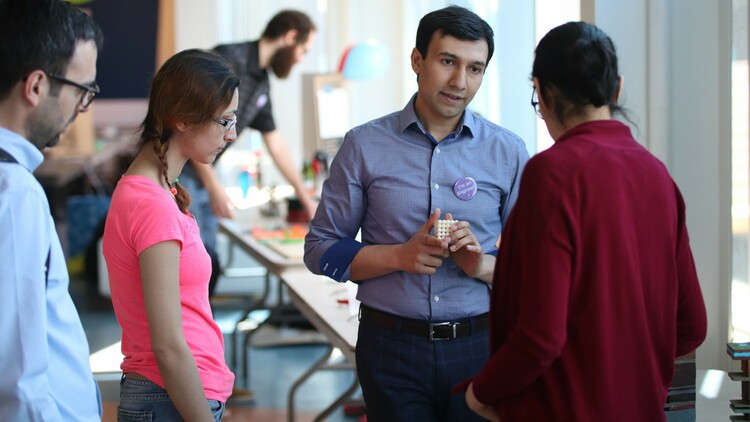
point(442, 324)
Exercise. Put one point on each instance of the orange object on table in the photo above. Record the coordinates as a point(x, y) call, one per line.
point(293, 232)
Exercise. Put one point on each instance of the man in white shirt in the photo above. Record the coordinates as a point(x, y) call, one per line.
point(47, 76)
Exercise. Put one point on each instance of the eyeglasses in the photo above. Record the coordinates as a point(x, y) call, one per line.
point(227, 123)
point(89, 92)
point(535, 103)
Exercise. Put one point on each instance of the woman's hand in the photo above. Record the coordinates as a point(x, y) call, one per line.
point(487, 412)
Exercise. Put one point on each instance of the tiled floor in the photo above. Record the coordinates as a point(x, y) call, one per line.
point(272, 370)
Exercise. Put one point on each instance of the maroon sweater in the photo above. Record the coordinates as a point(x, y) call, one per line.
point(595, 290)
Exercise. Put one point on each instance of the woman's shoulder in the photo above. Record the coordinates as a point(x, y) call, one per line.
point(139, 192)
point(134, 185)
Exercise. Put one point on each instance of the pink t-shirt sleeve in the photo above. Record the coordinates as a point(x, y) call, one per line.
point(148, 230)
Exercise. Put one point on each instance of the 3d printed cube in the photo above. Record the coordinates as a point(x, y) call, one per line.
point(443, 228)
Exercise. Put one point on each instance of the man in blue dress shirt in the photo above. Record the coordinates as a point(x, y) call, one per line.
point(423, 319)
point(47, 76)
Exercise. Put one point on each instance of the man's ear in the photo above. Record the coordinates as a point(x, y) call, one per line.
point(33, 87)
point(290, 38)
point(416, 60)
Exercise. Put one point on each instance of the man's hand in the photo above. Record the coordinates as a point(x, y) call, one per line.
point(310, 205)
point(487, 412)
point(424, 253)
point(221, 205)
point(465, 249)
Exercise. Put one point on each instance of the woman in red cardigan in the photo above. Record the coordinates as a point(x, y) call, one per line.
point(595, 291)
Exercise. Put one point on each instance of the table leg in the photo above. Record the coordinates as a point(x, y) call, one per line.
point(238, 326)
point(321, 364)
point(248, 334)
point(340, 400)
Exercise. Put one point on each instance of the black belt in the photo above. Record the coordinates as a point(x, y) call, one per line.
point(448, 330)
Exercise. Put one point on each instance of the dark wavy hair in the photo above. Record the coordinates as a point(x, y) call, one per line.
point(40, 35)
point(189, 87)
point(287, 20)
point(580, 61)
point(457, 22)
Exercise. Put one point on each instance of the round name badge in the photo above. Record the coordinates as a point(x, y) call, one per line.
point(465, 188)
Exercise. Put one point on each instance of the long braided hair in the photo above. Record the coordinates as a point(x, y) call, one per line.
point(189, 87)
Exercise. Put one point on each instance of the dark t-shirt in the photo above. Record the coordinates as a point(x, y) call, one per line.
point(254, 110)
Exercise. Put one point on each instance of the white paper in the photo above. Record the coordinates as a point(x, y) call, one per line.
point(333, 112)
point(351, 292)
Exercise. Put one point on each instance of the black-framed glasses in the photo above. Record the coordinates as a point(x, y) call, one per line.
point(227, 123)
point(88, 94)
point(535, 102)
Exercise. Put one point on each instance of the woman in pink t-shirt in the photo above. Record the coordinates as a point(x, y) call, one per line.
point(174, 364)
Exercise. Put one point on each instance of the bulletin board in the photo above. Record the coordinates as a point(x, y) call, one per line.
point(127, 60)
point(325, 113)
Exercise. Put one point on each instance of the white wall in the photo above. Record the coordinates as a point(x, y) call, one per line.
point(675, 58)
point(627, 24)
point(381, 20)
point(700, 152)
point(514, 56)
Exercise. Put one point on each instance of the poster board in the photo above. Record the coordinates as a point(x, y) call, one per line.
point(325, 113)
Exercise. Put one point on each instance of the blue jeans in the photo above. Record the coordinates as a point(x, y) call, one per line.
point(200, 207)
point(144, 401)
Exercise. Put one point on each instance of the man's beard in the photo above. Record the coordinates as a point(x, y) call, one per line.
point(283, 61)
point(52, 142)
point(42, 128)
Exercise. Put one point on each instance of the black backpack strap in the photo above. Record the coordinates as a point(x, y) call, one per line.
point(46, 267)
point(6, 158)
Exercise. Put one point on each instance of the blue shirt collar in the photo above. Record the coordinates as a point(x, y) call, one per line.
point(408, 118)
point(21, 149)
